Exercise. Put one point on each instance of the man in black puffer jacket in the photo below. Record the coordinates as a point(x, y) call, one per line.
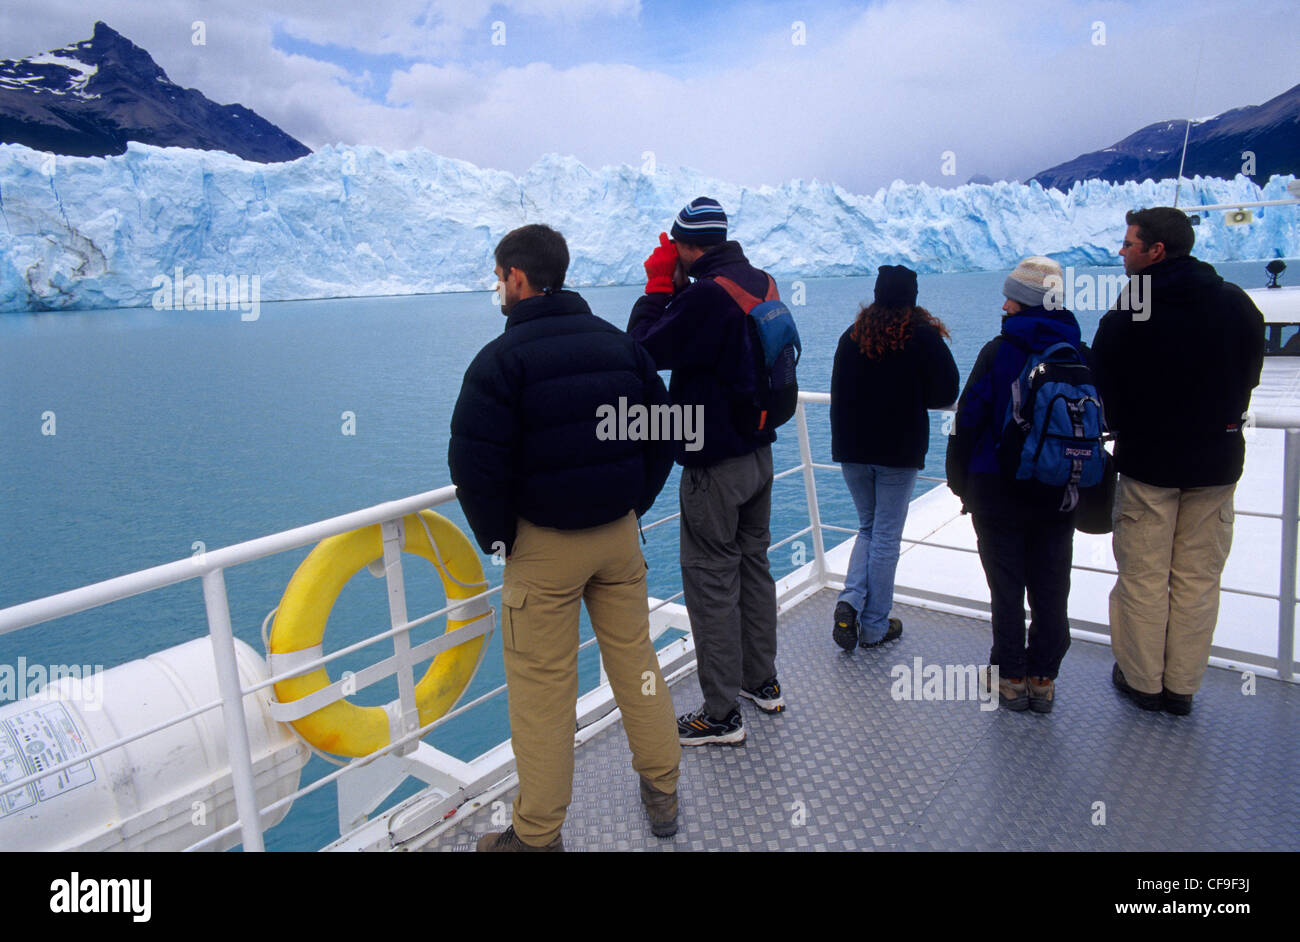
point(1176, 361)
point(699, 332)
point(547, 484)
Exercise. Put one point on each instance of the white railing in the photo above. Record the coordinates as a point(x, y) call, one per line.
point(210, 568)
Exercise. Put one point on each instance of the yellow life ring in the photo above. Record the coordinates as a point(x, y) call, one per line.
point(343, 728)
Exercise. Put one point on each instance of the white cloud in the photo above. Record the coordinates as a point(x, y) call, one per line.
point(875, 94)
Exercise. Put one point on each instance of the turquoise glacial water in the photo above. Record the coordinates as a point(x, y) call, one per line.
point(180, 427)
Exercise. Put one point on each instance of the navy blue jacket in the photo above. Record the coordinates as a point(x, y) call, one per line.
point(524, 432)
point(1177, 378)
point(702, 335)
point(972, 462)
point(878, 407)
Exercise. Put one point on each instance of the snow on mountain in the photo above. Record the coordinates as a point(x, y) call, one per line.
point(78, 233)
point(91, 97)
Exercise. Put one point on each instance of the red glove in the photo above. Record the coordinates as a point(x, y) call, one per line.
point(659, 267)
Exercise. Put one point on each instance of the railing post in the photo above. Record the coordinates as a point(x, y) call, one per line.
point(810, 490)
point(394, 538)
point(1286, 590)
point(232, 708)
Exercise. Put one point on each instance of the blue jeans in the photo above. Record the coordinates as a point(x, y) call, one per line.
point(881, 496)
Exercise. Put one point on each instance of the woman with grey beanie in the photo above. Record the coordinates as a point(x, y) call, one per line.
point(1025, 541)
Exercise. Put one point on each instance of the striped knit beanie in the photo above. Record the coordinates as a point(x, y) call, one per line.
point(1027, 283)
point(702, 222)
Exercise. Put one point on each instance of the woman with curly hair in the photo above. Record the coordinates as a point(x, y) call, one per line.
point(891, 367)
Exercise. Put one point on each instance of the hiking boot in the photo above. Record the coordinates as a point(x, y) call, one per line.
point(698, 728)
point(508, 841)
point(893, 634)
point(1013, 693)
point(767, 696)
point(1147, 701)
point(1179, 704)
point(1042, 691)
point(662, 809)
point(845, 631)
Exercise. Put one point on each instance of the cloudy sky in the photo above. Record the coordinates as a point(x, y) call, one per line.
point(755, 92)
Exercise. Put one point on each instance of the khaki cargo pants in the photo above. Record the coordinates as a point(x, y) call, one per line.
point(548, 574)
point(1170, 548)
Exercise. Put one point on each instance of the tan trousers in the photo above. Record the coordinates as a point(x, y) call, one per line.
point(548, 573)
point(1170, 547)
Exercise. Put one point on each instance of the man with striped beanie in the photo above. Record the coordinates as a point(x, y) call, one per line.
point(699, 331)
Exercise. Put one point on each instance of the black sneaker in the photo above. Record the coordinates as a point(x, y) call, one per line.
point(697, 729)
point(767, 696)
point(1147, 701)
point(845, 631)
point(893, 634)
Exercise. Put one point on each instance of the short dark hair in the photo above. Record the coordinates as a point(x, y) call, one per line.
point(539, 252)
point(1164, 224)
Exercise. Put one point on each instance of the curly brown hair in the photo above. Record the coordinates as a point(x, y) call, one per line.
point(880, 329)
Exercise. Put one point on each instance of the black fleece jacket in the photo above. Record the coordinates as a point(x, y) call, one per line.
point(703, 336)
point(878, 407)
point(1176, 375)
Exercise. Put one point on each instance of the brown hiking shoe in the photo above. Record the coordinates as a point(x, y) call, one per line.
point(1042, 691)
point(1014, 693)
point(662, 809)
point(508, 841)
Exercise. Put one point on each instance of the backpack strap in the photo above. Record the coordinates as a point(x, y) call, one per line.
point(742, 297)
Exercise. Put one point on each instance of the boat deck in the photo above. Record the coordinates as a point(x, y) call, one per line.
point(847, 767)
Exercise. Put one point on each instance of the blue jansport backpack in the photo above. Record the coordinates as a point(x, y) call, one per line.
point(772, 324)
point(1055, 425)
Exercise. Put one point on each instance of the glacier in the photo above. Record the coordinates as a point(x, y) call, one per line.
point(81, 233)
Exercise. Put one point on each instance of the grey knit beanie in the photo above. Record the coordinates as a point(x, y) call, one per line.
point(1027, 283)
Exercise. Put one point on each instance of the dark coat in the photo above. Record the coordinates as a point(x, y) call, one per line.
point(879, 407)
point(974, 473)
point(1177, 382)
point(524, 431)
point(703, 336)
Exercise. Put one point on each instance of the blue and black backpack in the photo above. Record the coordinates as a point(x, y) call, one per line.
point(1053, 432)
point(775, 340)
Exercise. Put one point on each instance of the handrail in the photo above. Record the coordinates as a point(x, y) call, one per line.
point(36, 611)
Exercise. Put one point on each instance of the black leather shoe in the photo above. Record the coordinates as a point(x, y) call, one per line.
point(1179, 704)
point(1147, 701)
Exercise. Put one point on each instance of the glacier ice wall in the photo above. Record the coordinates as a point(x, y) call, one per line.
point(92, 232)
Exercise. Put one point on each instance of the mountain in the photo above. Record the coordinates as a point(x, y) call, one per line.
point(1270, 131)
point(88, 99)
point(81, 233)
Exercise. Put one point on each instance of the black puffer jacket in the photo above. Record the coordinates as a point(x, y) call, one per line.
point(524, 432)
point(703, 336)
point(1177, 378)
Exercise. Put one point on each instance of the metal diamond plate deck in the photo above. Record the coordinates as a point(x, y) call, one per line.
point(847, 767)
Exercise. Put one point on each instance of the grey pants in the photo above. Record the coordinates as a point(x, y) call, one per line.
point(730, 593)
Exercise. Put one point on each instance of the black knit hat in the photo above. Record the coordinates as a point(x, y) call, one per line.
point(896, 286)
point(702, 222)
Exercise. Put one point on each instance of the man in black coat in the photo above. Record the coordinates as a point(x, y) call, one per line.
point(1176, 360)
point(548, 481)
point(699, 331)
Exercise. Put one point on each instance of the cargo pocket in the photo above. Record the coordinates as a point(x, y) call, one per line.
point(1129, 539)
point(1223, 536)
point(512, 604)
